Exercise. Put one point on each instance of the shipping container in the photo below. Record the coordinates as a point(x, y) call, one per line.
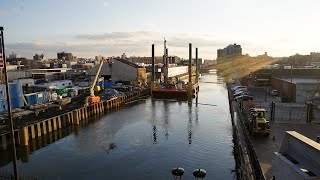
point(16, 102)
point(15, 90)
point(31, 98)
point(43, 97)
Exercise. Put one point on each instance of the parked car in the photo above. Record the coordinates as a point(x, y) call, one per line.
point(274, 92)
point(239, 88)
point(240, 94)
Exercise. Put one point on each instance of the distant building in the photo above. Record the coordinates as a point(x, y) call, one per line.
point(65, 56)
point(14, 56)
point(185, 62)
point(145, 60)
point(174, 60)
point(99, 58)
point(230, 50)
point(124, 56)
point(39, 57)
point(315, 56)
point(209, 62)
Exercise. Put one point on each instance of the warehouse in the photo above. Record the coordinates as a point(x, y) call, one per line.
point(299, 90)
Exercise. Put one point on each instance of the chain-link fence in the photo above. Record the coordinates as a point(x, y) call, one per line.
point(290, 112)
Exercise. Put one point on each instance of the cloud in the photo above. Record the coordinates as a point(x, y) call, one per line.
point(137, 43)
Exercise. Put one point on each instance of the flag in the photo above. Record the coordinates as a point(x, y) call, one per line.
point(1, 55)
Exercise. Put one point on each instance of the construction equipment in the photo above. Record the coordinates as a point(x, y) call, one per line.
point(92, 98)
point(257, 123)
point(255, 118)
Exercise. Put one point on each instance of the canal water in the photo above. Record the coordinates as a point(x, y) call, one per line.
point(143, 140)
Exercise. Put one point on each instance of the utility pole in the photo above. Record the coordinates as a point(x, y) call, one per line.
point(14, 154)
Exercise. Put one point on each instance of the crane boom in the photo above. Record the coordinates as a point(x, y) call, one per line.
point(95, 79)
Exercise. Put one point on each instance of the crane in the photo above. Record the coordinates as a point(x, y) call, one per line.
point(92, 98)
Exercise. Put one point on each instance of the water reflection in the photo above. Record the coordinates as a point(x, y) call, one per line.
point(23, 152)
point(144, 136)
point(153, 123)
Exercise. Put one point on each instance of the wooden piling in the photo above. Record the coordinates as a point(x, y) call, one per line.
point(49, 125)
point(25, 136)
point(86, 112)
point(75, 117)
point(83, 113)
point(4, 142)
point(33, 133)
point(38, 130)
point(54, 122)
point(44, 128)
point(59, 122)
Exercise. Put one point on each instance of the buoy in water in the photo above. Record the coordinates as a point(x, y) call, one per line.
point(273, 138)
point(199, 173)
point(178, 171)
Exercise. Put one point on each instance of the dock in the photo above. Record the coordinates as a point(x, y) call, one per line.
point(25, 133)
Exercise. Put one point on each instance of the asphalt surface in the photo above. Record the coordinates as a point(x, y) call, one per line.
point(289, 117)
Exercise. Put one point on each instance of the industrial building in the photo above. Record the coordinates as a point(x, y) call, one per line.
point(123, 70)
point(299, 90)
point(105, 71)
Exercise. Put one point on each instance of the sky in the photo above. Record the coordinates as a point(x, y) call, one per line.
point(111, 27)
